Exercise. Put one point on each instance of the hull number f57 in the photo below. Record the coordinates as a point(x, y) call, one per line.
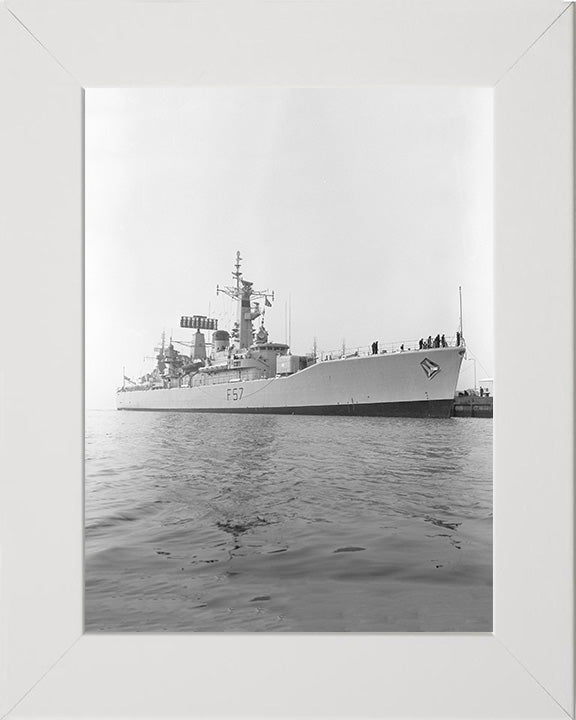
point(234, 393)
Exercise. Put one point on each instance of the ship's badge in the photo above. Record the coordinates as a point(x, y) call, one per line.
point(430, 368)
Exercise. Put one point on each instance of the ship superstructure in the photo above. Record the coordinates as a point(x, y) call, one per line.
point(243, 371)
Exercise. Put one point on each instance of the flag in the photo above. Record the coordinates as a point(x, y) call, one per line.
point(267, 303)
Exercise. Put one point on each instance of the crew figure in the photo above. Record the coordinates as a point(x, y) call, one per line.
point(438, 342)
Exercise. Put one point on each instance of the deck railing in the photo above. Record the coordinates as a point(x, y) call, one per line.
point(389, 348)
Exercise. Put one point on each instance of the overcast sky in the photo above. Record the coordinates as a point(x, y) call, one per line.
point(366, 207)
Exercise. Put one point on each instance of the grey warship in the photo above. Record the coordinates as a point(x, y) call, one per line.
point(241, 371)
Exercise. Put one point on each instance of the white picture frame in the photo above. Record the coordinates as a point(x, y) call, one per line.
point(51, 51)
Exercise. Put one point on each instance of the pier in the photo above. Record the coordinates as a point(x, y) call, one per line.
point(472, 406)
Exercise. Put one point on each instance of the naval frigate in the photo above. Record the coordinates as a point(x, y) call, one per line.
point(242, 371)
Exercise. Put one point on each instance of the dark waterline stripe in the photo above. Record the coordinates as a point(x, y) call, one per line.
point(415, 409)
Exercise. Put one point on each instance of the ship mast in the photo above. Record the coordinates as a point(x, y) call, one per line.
point(460, 294)
point(248, 311)
point(237, 274)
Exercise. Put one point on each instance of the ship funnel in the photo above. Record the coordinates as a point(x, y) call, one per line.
point(221, 340)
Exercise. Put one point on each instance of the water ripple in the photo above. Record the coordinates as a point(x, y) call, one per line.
point(283, 523)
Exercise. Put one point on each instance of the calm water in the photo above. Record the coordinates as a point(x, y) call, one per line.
point(284, 523)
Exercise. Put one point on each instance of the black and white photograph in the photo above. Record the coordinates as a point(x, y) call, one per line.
point(289, 374)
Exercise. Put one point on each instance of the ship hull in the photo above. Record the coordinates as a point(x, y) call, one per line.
point(408, 384)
